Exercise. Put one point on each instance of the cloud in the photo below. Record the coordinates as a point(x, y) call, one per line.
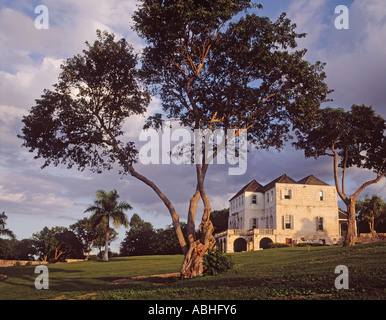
point(356, 68)
point(309, 18)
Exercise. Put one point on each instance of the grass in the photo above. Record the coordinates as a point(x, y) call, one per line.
point(282, 273)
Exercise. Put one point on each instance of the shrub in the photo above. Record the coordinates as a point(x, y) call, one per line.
point(279, 245)
point(216, 262)
point(310, 244)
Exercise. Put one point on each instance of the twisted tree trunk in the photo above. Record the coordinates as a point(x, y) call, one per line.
point(193, 265)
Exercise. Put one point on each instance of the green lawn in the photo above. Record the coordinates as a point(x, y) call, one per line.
point(282, 273)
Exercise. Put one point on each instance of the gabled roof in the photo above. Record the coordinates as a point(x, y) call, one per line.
point(282, 179)
point(253, 186)
point(312, 180)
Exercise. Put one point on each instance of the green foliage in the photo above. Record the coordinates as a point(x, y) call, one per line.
point(143, 239)
point(216, 262)
point(139, 239)
point(214, 70)
point(356, 135)
point(3, 230)
point(56, 244)
point(219, 219)
point(279, 245)
point(310, 244)
point(83, 129)
point(105, 209)
point(372, 210)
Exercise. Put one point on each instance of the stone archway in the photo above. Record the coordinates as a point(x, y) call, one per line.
point(264, 243)
point(240, 245)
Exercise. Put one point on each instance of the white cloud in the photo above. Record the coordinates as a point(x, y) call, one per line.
point(309, 18)
point(5, 195)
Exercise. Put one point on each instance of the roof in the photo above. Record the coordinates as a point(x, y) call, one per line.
point(282, 179)
point(254, 186)
point(312, 180)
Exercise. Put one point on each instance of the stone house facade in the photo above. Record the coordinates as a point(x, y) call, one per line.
point(283, 211)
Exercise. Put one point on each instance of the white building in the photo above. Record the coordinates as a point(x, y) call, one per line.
point(283, 211)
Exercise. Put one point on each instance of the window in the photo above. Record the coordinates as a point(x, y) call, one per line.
point(287, 222)
point(320, 224)
point(254, 223)
point(287, 194)
point(321, 195)
point(254, 199)
point(267, 197)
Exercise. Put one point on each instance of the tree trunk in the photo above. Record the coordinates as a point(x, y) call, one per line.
point(193, 265)
point(372, 226)
point(89, 251)
point(351, 228)
point(106, 254)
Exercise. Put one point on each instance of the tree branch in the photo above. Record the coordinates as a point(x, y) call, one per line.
point(335, 163)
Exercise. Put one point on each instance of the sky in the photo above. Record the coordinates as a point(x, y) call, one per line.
point(30, 60)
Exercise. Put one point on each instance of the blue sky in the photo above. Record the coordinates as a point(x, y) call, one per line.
point(29, 62)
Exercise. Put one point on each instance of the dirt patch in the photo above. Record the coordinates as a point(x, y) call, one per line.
point(163, 275)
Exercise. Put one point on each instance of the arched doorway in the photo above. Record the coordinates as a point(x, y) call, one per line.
point(264, 243)
point(240, 244)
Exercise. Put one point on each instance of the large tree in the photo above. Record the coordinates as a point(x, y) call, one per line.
point(47, 245)
point(86, 234)
point(79, 123)
point(105, 208)
point(372, 210)
point(140, 239)
point(211, 71)
point(214, 71)
point(353, 138)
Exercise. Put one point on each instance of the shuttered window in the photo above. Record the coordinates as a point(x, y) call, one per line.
point(287, 222)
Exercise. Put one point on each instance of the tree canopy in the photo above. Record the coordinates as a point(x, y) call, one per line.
point(80, 121)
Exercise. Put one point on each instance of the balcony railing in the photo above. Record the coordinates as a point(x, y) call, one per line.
point(244, 232)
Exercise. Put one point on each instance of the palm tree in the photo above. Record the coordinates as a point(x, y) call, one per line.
point(3, 230)
point(107, 208)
